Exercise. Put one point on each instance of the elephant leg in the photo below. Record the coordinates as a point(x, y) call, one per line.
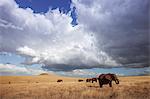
point(110, 84)
point(101, 85)
point(92, 81)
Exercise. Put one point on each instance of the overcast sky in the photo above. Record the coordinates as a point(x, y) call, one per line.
point(74, 36)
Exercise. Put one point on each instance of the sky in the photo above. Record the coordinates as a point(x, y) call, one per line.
point(82, 38)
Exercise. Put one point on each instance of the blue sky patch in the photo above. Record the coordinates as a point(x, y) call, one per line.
point(42, 6)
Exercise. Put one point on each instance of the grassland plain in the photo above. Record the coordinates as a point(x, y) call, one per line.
point(47, 87)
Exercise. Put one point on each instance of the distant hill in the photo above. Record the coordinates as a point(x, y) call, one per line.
point(44, 74)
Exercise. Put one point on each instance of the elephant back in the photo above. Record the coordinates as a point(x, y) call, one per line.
point(106, 76)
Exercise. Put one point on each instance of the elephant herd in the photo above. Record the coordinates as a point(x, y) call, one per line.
point(104, 79)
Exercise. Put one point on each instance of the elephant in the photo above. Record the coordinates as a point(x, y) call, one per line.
point(107, 79)
point(94, 79)
point(88, 80)
point(91, 80)
point(80, 80)
point(59, 80)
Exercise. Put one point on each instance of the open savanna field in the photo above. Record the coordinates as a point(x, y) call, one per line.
point(47, 87)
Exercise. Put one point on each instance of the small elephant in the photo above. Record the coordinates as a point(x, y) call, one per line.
point(59, 80)
point(80, 80)
point(94, 79)
point(107, 79)
point(88, 80)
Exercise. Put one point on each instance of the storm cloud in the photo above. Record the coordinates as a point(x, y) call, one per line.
point(108, 34)
point(121, 28)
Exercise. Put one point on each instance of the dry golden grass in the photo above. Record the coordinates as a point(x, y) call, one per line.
point(46, 87)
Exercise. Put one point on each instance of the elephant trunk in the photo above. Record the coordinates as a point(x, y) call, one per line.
point(117, 81)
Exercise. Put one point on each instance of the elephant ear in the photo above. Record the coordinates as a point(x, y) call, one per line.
point(101, 76)
point(108, 76)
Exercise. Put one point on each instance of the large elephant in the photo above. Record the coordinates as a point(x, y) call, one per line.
point(107, 79)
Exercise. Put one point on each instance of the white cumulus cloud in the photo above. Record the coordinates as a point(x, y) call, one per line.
point(11, 69)
point(49, 39)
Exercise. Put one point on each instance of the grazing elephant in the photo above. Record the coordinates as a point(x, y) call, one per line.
point(88, 80)
point(94, 79)
point(59, 80)
point(80, 80)
point(107, 79)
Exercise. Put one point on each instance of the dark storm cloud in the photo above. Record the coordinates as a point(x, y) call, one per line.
point(121, 26)
point(70, 67)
